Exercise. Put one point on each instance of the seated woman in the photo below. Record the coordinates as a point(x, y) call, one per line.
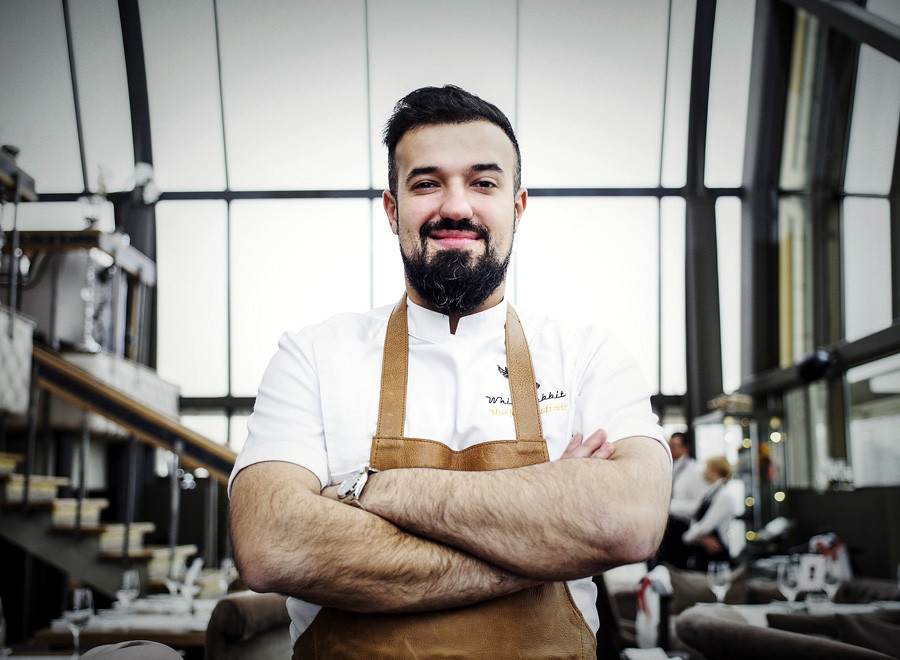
point(706, 536)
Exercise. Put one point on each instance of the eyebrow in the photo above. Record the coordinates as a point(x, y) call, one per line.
point(433, 169)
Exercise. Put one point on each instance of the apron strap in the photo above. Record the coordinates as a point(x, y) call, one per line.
point(395, 366)
point(522, 385)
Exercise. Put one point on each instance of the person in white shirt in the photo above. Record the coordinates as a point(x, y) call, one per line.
point(708, 532)
point(456, 432)
point(688, 482)
point(688, 487)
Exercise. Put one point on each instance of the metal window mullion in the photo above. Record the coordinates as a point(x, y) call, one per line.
point(703, 328)
point(894, 211)
point(770, 66)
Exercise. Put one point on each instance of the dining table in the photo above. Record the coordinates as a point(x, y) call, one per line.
point(171, 620)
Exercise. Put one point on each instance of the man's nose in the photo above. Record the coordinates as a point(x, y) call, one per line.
point(455, 204)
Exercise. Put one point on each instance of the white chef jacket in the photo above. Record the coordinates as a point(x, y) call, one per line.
point(317, 404)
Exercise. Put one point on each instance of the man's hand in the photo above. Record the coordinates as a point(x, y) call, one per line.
point(596, 446)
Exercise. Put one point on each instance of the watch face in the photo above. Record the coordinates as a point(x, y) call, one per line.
point(346, 486)
point(350, 484)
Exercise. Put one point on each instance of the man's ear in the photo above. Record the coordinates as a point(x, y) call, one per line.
point(521, 200)
point(390, 209)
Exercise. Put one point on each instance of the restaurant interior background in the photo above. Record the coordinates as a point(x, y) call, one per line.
point(716, 181)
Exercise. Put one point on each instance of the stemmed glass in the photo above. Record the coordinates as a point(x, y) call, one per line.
point(832, 578)
point(718, 577)
point(789, 581)
point(130, 589)
point(175, 578)
point(78, 612)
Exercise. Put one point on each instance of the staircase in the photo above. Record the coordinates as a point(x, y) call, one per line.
point(68, 533)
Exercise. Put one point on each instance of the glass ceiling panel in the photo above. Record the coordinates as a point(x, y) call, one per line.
point(295, 94)
point(728, 247)
point(183, 89)
point(678, 93)
point(591, 86)
point(36, 110)
point(210, 425)
point(729, 88)
point(293, 263)
point(594, 260)
point(886, 9)
point(673, 369)
point(387, 266)
point(103, 95)
point(192, 281)
point(468, 43)
point(866, 256)
point(873, 127)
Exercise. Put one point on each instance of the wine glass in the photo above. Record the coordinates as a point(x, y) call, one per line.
point(175, 578)
point(789, 581)
point(832, 578)
point(78, 612)
point(718, 577)
point(130, 589)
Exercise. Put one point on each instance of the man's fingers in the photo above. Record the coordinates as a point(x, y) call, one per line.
point(605, 450)
point(595, 446)
point(594, 441)
point(573, 447)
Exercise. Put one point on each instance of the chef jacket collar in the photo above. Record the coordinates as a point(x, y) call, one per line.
point(434, 327)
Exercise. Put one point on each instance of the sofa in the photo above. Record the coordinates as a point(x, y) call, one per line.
point(246, 625)
point(717, 632)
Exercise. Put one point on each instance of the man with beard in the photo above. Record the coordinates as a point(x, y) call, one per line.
point(438, 479)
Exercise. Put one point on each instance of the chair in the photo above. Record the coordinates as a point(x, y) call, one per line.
point(867, 590)
point(721, 633)
point(619, 613)
point(249, 626)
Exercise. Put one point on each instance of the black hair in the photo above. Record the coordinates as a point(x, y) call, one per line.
point(442, 105)
point(686, 438)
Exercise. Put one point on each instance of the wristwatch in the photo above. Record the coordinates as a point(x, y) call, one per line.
point(351, 488)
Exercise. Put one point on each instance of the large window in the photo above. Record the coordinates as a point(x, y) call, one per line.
point(265, 123)
point(837, 266)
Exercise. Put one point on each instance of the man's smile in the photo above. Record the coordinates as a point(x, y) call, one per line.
point(454, 238)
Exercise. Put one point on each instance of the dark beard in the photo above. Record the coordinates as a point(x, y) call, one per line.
point(453, 282)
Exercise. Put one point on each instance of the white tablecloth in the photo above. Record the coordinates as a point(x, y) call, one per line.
point(155, 613)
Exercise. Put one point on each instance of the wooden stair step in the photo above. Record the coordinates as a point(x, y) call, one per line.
point(9, 461)
point(42, 489)
point(136, 528)
point(65, 510)
point(112, 537)
point(153, 553)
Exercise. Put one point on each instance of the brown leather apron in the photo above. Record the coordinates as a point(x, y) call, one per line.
point(540, 622)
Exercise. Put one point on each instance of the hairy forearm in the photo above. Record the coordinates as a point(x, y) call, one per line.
point(551, 521)
point(354, 561)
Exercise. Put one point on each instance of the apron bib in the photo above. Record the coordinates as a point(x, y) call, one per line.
point(540, 622)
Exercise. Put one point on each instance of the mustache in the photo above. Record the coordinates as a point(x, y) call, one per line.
point(448, 224)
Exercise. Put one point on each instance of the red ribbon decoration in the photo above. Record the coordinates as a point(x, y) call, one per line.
point(641, 598)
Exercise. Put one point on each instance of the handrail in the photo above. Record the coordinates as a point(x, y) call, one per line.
point(148, 424)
